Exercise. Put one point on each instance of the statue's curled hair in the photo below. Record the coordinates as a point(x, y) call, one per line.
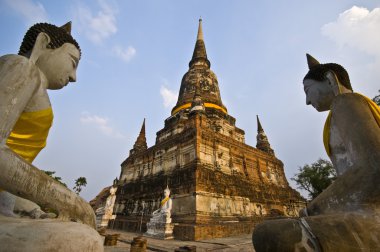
point(318, 73)
point(58, 36)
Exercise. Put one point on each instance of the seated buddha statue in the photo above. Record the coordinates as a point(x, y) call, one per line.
point(346, 215)
point(48, 58)
point(162, 215)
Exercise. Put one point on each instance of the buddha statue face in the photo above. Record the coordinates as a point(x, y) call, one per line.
point(167, 192)
point(113, 190)
point(323, 82)
point(319, 94)
point(59, 65)
point(54, 51)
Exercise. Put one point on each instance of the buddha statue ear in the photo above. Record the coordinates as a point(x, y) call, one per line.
point(311, 61)
point(41, 44)
point(67, 27)
point(333, 82)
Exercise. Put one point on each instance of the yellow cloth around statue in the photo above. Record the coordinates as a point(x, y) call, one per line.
point(375, 109)
point(164, 201)
point(30, 132)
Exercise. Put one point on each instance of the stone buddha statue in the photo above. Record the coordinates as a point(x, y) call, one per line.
point(110, 201)
point(160, 225)
point(47, 59)
point(164, 212)
point(346, 215)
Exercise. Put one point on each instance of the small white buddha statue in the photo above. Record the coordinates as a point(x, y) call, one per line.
point(164, 212)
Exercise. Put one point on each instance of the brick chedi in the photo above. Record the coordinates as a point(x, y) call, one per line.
point(219, 185)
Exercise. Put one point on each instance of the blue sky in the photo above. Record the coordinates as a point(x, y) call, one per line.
point(134, 54)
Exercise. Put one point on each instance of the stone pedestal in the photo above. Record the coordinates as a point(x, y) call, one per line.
point(160, 230)
point(160, 227)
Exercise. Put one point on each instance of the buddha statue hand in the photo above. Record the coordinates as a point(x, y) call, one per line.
point(25, 180)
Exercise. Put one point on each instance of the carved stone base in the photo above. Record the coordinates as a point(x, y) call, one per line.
point(162, 231)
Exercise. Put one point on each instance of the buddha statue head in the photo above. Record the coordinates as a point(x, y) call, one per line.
point(54, 51)
point(323, 82)
point(58, 36)
point(167, 191)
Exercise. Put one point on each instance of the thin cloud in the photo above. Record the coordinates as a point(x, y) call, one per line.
point(100, 123)
point(126, 54)
point(32, 12)
point(358, 28)
point(100, 25)
point(169, 96)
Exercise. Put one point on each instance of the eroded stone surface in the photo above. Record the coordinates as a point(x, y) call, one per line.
point(19, 234)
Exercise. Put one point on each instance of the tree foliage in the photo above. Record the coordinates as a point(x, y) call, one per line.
point(316, 177)
point(51, 174)
point(79, 183)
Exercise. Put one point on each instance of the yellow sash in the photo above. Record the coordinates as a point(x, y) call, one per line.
point(28, 136)
point(164, 201)
point(375, 109)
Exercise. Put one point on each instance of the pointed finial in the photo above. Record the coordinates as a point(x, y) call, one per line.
point(259, 127)
point(200, 32)
point(143, 127)
point(67, 27)
point(262, 139)
point(311, 61)
point(140, 143)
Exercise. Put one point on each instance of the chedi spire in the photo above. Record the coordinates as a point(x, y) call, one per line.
point(199, 78)
point(140, 144)
point(262, 139)
point(199, 54)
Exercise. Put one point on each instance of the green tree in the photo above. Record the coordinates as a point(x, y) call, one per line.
point(51, 174)
point(316, 177)
point(376, 99)
point(79, 183)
